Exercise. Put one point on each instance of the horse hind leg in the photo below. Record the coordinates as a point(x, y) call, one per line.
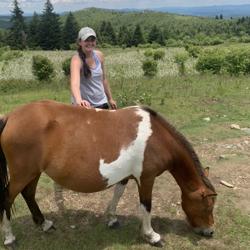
point(28, 194)
point(145, 194)
point(111, 210)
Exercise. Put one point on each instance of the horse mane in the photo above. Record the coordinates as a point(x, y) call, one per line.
point(181, 138)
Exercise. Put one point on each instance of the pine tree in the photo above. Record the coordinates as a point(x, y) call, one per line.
point(33, 34)
point(17, 34)
point(154, 34)
point(70, 31)
point(107, 33)
point(137, 37)
point(50, 31)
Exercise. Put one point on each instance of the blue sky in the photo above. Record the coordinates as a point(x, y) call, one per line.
point(29, 6)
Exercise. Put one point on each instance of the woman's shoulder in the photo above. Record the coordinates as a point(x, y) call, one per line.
point(99, 55)
point(76, 60)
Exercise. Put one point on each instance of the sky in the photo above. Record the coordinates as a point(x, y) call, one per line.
point(29, 6)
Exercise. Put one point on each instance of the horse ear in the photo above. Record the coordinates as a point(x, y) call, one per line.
point(206, 171)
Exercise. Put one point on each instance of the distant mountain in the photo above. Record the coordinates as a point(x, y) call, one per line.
point(210, 11)
point(4, 22)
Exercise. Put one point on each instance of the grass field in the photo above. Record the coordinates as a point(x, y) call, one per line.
point(183, 100)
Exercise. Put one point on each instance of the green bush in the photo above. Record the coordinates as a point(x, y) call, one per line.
point(211, 61)
point(159, 54)
point(237, 61)
point(149, 67)
point(6, 54)
point(180, 59)
point(42, 68)
point(193, 51)
point(149, 53)
point(66, 66)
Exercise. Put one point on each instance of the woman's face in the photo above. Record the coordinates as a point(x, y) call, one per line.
point(89, 44)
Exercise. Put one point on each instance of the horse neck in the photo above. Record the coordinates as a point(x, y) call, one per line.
point(186, 175)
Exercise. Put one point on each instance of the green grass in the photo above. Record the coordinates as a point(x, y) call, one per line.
point(184, 101)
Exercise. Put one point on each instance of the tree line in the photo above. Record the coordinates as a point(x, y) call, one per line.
point(46, 31)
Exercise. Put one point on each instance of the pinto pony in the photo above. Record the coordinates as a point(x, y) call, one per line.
point(89, 150)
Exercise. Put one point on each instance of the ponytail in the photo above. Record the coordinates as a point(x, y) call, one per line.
point(86, 69)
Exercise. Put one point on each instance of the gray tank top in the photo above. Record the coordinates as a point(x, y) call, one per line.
point(92, 89)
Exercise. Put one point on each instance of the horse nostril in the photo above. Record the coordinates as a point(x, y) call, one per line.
point(211, 233)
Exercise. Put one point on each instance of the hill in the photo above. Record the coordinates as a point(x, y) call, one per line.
point(4, 22)
point(93, 17)
point(227, 11)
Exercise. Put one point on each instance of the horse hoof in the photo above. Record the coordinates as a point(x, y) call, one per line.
point(47, 225)
point(159, 244)
point(9, 241)
point(114, 224)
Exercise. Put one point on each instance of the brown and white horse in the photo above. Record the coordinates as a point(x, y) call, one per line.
point(89, 150)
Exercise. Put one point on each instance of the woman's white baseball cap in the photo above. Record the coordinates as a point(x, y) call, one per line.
point(86, 32)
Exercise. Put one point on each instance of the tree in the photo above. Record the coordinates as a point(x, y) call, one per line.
point(137, 37)
point(50, 31)
point(153, 34)
point(70, 31)
point(156, 35)
point(124, 36)
point(17, 34)
point(33, 34)
point(107, 33)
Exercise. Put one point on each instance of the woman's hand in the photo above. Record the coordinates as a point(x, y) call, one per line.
point(112, 104)
point(84, 104)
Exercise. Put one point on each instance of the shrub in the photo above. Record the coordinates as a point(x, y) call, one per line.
point(180, 59)
point(210, 61)
point(66, 66)
point(149, 67)
point(42, 68)
point(6, 54)
point(149, 53)
point(237, 61)
point(159, 54)
point(155, 45)
point(193, 51)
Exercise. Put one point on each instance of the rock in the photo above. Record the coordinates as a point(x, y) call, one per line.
point(207, 119)
point(222, 157)
point(247, 130)
point(226, 184)
point(235, 126)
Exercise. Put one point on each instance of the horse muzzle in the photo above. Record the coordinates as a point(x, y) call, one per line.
point(207, 232)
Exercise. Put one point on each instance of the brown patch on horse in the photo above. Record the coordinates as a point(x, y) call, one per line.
point(69, 141)
point(183, 141)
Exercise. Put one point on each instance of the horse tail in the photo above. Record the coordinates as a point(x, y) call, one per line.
point(4, 180)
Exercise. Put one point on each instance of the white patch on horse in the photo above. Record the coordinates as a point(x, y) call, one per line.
point(147, 229)
point(130, 160)
point(9, 238)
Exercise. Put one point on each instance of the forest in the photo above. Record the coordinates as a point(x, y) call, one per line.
point(49, 31)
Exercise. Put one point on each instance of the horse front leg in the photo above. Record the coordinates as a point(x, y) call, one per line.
point(111, 210)
point(145, 194)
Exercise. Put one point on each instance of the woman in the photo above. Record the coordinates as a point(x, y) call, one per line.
point(89, 85)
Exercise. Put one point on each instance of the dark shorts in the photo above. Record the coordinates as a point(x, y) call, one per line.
point(103, 106)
